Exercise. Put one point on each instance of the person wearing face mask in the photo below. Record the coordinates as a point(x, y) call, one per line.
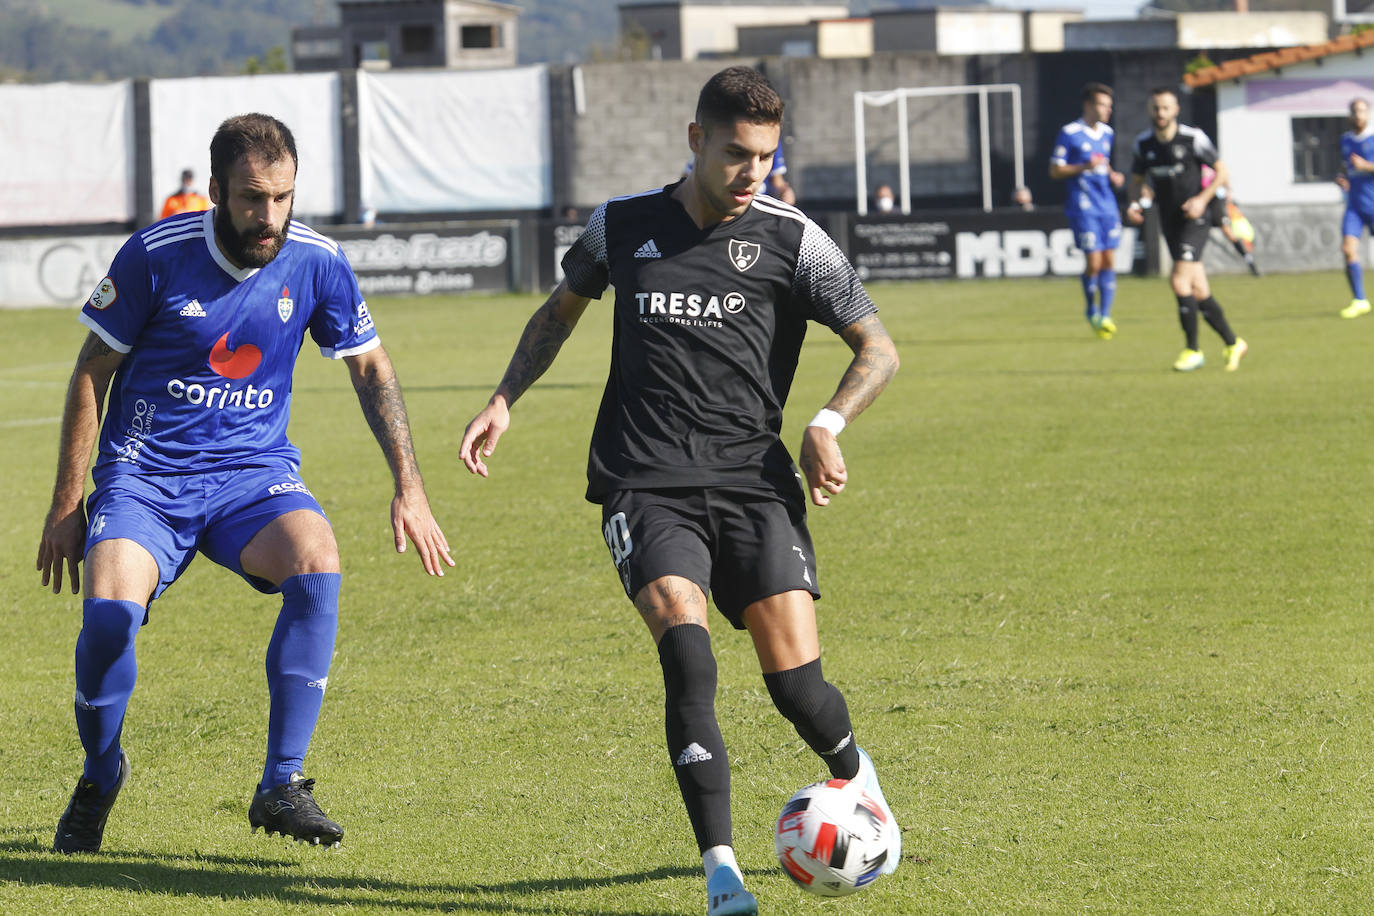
point(883, 199)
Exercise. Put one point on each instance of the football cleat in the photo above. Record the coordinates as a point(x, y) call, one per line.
point(1105, 327)
point(82, 826)
point(1189, 360)
point(1234, 354)
point(290, 809)
point(1355, 309)
point(726, 896)
point(867, 777)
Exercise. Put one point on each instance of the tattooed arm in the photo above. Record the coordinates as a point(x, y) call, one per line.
point(539, 344)
point(379, 393)
point(875, 362)
point(64, 530)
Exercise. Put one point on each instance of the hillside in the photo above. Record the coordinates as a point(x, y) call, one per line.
point(48, 40)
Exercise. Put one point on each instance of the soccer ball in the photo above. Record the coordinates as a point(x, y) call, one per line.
point(833, 838)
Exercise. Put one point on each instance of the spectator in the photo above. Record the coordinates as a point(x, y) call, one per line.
point(187, 199)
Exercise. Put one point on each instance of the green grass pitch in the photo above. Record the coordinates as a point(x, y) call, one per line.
point(1105, 628)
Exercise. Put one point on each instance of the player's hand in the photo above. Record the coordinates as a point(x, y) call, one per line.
point(481, 435)
point(1116, 178)
point(822, 464)
point(63, 541)
point(1359, 162)
point(1134, 215)
point(1194, 207)
point(1343, 183)
point(411, 517)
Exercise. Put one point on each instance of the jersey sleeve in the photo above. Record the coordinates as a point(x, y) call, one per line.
point(1138, 157)
point(341, 324)
point(584, 264)
point(1204, 149)
point(1060, 156)
point(122, 302)
point(826, 284)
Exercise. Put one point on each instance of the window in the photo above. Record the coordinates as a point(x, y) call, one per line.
point(417, 39)
point(481, 36)
point(1317, 148)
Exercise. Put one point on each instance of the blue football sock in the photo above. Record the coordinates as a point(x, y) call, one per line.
point(1090, 293)
point(1106, 282)
point(1354, 272)
point(105, 673)
point(298, 670)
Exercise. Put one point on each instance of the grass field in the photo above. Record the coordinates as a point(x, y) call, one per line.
point(1105, 629)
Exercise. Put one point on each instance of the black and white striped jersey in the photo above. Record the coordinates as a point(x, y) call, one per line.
point(708, 326)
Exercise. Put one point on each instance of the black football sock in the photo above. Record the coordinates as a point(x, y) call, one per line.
point(1187, 318)
point(1216, 320)
point(816, 708)
point(695, 746)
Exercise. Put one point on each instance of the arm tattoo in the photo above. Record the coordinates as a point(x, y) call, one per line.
point(93, 348)
point(874, 364)
point(539, 344)
point(385, 410)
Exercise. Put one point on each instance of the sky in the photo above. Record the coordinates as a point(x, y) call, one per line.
point(1092, 9)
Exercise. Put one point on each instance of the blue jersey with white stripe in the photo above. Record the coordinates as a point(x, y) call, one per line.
point(210, 348)
point(1091, 192)
point(1361, 197)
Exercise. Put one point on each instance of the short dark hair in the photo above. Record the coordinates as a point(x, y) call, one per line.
point(1163, 90)
point(738, 94)
point(1094, 89)
point(258, 135)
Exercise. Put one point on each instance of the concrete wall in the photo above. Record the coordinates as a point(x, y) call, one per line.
point(1250, 30)
point(1255, 116)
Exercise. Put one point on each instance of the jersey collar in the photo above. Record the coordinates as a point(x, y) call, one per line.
point(238, 273)
point(1094, 132)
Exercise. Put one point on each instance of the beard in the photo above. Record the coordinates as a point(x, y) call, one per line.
point(244, 248)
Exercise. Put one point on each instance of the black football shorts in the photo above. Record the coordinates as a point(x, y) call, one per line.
point(1186, 237)
point(738, 544)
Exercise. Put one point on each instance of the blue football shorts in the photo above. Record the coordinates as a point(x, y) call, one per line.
point(173, 516)
point(1355, 221)
point(1095, 231)
point(738, 544)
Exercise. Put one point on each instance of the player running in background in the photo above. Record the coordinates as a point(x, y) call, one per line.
point(1223, 214)
point(714, 286)
point(1083, 157)
point(1357, 164)
point(1166, 172)
point(195, 333)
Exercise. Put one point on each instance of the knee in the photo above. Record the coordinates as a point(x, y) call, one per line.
point(801, 694)
point(312, 593)
point(689, 667)
point(110, 625)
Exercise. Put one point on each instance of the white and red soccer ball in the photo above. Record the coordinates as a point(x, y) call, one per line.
point(833, 838)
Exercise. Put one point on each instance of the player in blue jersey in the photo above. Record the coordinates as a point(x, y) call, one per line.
point(1083, 157)
point(194, 335)
point(1357, 163)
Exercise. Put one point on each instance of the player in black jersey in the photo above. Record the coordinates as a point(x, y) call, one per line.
point(1166, 172)
point(714, 287)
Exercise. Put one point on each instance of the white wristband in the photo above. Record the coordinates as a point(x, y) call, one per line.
point(830, 420)
point(1145, 203)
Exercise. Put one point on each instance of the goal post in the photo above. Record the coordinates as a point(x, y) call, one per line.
point(886, 97)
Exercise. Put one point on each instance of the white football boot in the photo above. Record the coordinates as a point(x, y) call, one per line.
point(726, 896)
point(867, 777)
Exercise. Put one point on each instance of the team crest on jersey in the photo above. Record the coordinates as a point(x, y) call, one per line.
point(105, 294)
point(744, 255)
point(1179, 150)
point(285, 306)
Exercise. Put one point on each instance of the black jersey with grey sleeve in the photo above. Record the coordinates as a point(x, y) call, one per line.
point(1173, 168)
point(708, 327)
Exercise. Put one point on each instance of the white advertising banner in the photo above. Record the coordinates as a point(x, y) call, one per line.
point(66, 154)
point(186, 112)
point(54, 271)
point(441, 142)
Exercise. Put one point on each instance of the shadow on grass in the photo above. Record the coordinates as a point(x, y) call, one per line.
point(266, 879)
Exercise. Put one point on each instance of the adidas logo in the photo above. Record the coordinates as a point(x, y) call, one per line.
point(693, 753)
point(192, 309)
point(648, 250)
